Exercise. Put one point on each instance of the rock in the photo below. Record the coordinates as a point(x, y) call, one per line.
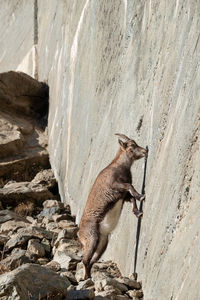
point(3, 239)
point(53, 227)
point(85, 284)
point(80, 295)
point(67, 260)
point(46, 245)
point(35, 249)
point(115, 284)
point(69, 276)
point(71, 288)
point(65, 234)
point(106, 295)
point(53, 265)
point(47, 178)
point(99, 275)
point(11, 142)
point(23, 94)
point(49, 211)
point(18, 192)
point(34, 280)
point(31, 220)
point(27, 164)
point(70, 232)
point(6, 215)
point(135, 293)
point(108, 266)
point(25, 234)
point(132, 284)
point(12, 226)
point(70, 245)
point(100, 298)
point(14, 260)
point(53, 203)
point(121, 297)
point(80, 272)
point(42, 261)
point(68, 220)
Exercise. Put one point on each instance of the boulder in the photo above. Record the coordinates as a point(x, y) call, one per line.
point(33, 282)
point(12, 226)
point(22, 94)
point(47, 178)
point(80, 295)
point(14, 260)
point(135, 294)
point(18, 192)
point(130, 283)
point(35, 249)
point(6, 215)
point(69, 275)
point(66, 259)
point(53, 265)
point(25, 234)
point(85, 284)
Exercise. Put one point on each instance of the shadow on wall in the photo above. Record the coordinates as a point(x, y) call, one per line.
point(24, 104)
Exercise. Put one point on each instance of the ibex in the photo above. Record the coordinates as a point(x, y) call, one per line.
point(112, 187)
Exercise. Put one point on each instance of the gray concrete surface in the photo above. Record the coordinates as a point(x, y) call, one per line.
point(109, 65)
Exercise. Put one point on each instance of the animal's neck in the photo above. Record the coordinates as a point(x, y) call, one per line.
point(122, 159)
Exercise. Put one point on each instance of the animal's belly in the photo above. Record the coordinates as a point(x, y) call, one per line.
point(111, 218)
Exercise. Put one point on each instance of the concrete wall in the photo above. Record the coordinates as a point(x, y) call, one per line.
point(112, 66)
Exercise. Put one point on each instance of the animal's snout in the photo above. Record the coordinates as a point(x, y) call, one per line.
point(144, 152)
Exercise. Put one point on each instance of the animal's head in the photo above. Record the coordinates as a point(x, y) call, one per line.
point(133, 151)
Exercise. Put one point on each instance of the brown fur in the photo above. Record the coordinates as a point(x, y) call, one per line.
point(111, 185)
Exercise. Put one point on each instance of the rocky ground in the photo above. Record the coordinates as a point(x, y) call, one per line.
point(40, 255)
point(40, 252)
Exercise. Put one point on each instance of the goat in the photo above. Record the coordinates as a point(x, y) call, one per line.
point(111, 188)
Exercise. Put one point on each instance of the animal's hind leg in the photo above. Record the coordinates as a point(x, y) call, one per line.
point(102, 245)
point(90, 244)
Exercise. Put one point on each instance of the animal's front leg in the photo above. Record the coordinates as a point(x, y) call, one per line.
point(136, 211)
point(129, 188)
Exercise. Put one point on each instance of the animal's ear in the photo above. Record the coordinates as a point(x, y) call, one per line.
point(122, 145)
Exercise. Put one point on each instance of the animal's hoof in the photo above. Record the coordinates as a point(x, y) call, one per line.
point(142, 197)
point(138, 213)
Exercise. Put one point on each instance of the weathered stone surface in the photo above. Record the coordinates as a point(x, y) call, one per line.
point(25, 234)
point(66, 259)
point(35, 248)
point(129, 74)
point(114, 284)
point(130, 283)
point(33, 281)
point(12, 226)
point(42, 261)
point(53, 203)
point(135, 294)
point(21, 93)
point(80, 295)
point(47, 178)
point(80, 272)
point(46, 245)
point(18, 191)
point(3, 239)
point(69, 276)
point(14, 260)
point(53, 265)
point(85, 284)
point(6, 215)
point(11, 142)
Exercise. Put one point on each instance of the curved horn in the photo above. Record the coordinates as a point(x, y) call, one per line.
point(123, 136)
